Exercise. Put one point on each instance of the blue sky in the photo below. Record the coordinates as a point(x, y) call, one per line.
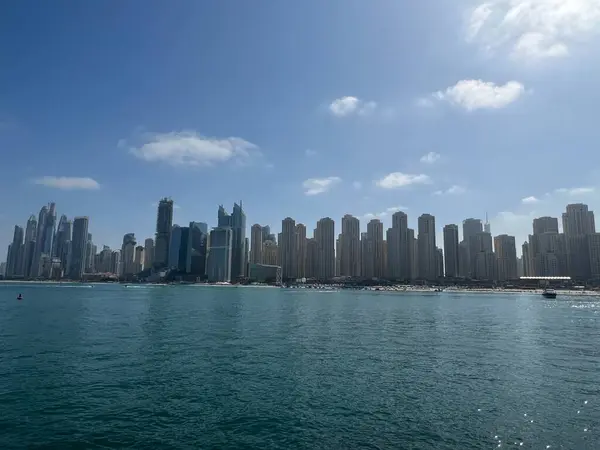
point(303, 109)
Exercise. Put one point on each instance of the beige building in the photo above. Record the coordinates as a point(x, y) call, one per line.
point(300, 250)
point(349, 256)
point(287, 248)
point(325, 237)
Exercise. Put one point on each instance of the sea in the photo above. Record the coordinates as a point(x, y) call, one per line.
point(196, 367)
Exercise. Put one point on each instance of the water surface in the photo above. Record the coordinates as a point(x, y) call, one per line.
point(189, 367)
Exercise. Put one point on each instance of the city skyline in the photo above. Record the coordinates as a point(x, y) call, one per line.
point(45, 250)
point(308, 110)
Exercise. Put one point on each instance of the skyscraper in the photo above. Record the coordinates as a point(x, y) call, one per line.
point(219, 255)
point(128, 255)
point(287, 248)
point(77, 260)
point(325, 237)
point(578, 224)
point(174, 246)
point(138, 260)
point(427, 248)
point(164, 222)
point(398, 264)
point(237, 222)
point(300, 250)
point(256, 243)
point(471, 227)
point(29, 244)
point(197, 249)
point(375, 249)
point(350, 247)
point(506, 257)
point(451, 250)
point(148, 253)
point(14, 258)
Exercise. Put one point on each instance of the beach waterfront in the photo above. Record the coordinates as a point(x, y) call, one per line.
point(179, 367)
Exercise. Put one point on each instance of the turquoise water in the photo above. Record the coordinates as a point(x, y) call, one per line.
point(111, 367)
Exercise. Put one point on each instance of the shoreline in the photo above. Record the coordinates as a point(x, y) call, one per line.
point(320, 288)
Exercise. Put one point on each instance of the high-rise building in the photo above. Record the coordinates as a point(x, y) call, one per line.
point(90, 252)
point(427, 248)
point(471, 227)
point(182, 257)
point(219, 255)
point(62, 240)
point(350, 247)
point(128, 255)
point(375, 250)
point(78, 244)
point(174, 246)
point(578, 224)
point(485, 262)
point(398, 262)
point(312, 258)
point(545, 225)
point(14, 257)
point(451, 250)
point(164, 223)
point(270, 253)
point(527, 271)
point(237, 222)
point(338, 254)
point(594, 251)
point(439, 262)
point(300, 250)
point(325, 237)
point(138, 260)
point(29, 246)
point(413, 254)
point(148, 253)
point(256, 244)
point(287, 248)
point(506, 257)
point(197, 249)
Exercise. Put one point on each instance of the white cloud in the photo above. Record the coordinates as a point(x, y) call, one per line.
point(188, 148)
point(68, 183)
point(382, 214)
point(430, 157)
point(532, 29)
point(452, 190)
point(398, 179)
point(530, 200)
point(477, 94)
point(575, 191)
point(357, 185)
point(346, 106)
point(315, 186)
point(393, 209)
point(309, 153)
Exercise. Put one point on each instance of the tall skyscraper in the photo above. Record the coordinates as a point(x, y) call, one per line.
point(128, 255)
point(527, 271)
point(451, 250)
point(197, 249)
point(398, 247)
point(175, 246)
point(350, 247)
point(413, 254)
point(62, 240)
point(325, 237)
point(219, 255)
point(256, 243)
point(439, 262)
point(485, 262)
point(14, 258)
point(578, 224)
point(594, 251)
point(506, 257)
point(77, 260)
point(427, 248)
point(29, 244)
point(164, 222)
point(148, 253)
point(287, 248)
point(300, 250)
point(471, 227)
point(138, 260)
point(375, 250)
point(237, 222)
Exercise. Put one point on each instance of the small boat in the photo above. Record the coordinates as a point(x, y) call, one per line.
point(549, 293)
point(19, 297)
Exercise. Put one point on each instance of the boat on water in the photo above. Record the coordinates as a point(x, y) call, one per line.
point(549, 293)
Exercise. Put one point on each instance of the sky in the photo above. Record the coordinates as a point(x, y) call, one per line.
point(304, 109)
